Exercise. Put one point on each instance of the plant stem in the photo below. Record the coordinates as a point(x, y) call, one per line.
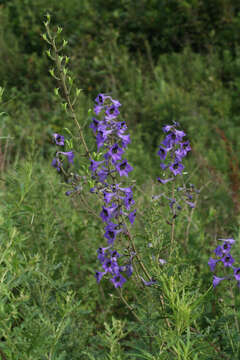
point(65, 89)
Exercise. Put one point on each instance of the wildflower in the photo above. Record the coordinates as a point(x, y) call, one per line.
point(118, 280)
point(115, 152)
point(190, 204)
point(212, 263)
point(237, 273)
point(218, 251)
point(101, 253)
point(112, 112)
point(108, 212)
point(228, 260)
point(176, 168)
point(132, 216)
point(59, 139)
point(148, 283)
point(99, 275)
point(164, 181)
point(110, 265)
point(162, 152)
point(123, 168)
point(69, 155)
point(217, 280)
point(230, 241)
point(57, 164)
point(111, 232)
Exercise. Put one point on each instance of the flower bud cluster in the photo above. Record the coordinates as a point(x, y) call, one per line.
point(172, 151)
point(223, 256)
point(112, 139)
point(175, 148)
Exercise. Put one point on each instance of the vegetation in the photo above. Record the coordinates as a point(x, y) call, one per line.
point(162, 68)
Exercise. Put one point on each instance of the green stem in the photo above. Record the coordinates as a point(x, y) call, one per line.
point(66, 91)
point(173, 220)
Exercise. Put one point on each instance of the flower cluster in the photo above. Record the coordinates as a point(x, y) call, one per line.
point(57, 161)
point(222, 255)
point(174, 147)
point(172, 151)
point(112, 139)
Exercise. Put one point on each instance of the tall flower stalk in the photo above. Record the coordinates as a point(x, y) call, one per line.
point(118, 203)
point(173, 149)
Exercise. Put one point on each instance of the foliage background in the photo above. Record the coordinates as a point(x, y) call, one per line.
point(164, 60)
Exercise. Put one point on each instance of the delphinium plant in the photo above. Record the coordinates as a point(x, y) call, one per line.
point(178, 192)
point(171, 292)
point(108, 167)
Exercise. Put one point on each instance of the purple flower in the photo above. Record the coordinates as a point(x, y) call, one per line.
point(128, 201)
point(212, 263)
point(98, 109)
point(115, 254)
point(125, 139)
point(127, 191)
point(173, 138)
point(172, 202)
point(110, 265)
point(57, 164)
point(59, 139)
point(237, 274)
point(179, 134)
point(132, 216)
point(115, 152)
point(102, 174)
point(123, 168)
point(108, 212)
point(95, 124)
point(121, 127)
point(164, 181)
point(190, 204)
point(118, 280)
point(176, 168)
point(116, 102)
point(230, 241)
point(164, 166)
point(94, 165)
point(69, 155)
point(185, 148)
point(226, 247)
point(108, 196)
point(102, 136)
point(228, 260)
point(167, 128)
point(112, 112)
point(99, 275)
point(218, 251)
point(217, 280)
point(111, 232)
point(162, 152)
point(148, 283)
point(128, 270)
point(101, 253)
point(101, 98)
